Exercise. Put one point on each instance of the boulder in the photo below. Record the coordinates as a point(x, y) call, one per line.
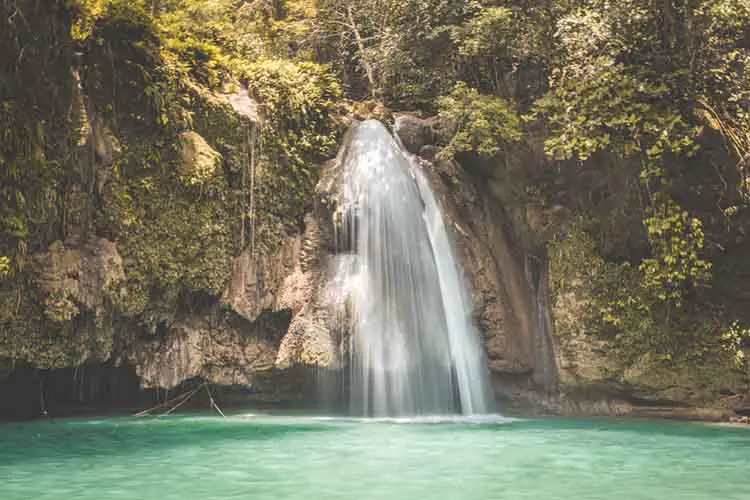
point(414, 132)
point(198, 161)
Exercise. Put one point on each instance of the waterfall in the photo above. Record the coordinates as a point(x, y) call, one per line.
point(412, 348)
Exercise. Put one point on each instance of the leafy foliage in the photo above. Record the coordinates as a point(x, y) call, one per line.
point(611, 110)
point(485, 33)
point(149, 72)
point(735, 339)
point(676, 241)
point(479, 123)
point(4, 266)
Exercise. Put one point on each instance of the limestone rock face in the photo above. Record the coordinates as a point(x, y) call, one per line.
point(198, 160)
point(265, 282)
point(79, 276)
point(310, 339)
point(500, 282)
point(307, 342)
point(291, 285)
point(292, 280)
point(496, 275)
point(207, 346)
point(271, 319)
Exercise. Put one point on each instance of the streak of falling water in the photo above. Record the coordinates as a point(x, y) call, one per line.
point(466, 352)
point(412, 349)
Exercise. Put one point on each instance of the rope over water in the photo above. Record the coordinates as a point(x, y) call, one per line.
point(180, 400)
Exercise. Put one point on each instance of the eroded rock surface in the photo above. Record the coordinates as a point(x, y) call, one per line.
point(266, 282)
point(519, 349)
point(284, 316)
point(211, 346)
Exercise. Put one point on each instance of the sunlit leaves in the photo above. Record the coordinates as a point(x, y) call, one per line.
point(734, 340)
point(477, 122)
point(4, 266)
point(485, 33)
point(677, 239)
point(610, 109)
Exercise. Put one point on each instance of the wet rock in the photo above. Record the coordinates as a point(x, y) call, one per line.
point(429, 152)
point(258, 280)
point(243, 105)
point(493, 264)
point(309, 340)
point(494, 269)
point(294, 280)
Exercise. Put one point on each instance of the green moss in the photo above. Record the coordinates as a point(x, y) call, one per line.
point(614, 307)
point(59, 308)
point(130, 79)
point(170, 233)
point(298, 134)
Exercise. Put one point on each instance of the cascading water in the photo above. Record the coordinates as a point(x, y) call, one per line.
point(412, 348)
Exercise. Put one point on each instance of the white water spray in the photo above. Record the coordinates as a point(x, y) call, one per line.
point(412, 348)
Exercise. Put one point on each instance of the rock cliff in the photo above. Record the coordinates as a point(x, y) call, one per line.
point(292, 281)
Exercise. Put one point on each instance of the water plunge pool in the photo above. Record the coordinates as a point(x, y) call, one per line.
point(293, 457)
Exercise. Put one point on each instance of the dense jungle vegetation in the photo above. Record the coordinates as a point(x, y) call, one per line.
point(620, 132)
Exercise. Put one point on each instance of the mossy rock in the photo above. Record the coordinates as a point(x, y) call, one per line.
point(199, 162)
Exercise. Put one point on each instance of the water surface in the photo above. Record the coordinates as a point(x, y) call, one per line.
point(272, 457)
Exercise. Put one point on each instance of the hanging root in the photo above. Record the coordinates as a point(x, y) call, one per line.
point(737, 141)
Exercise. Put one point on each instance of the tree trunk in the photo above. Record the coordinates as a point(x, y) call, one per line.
point(362, 54)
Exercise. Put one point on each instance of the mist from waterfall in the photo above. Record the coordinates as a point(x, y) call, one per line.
point(412, 348)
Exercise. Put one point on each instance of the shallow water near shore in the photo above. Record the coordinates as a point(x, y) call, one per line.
point(303, 457)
